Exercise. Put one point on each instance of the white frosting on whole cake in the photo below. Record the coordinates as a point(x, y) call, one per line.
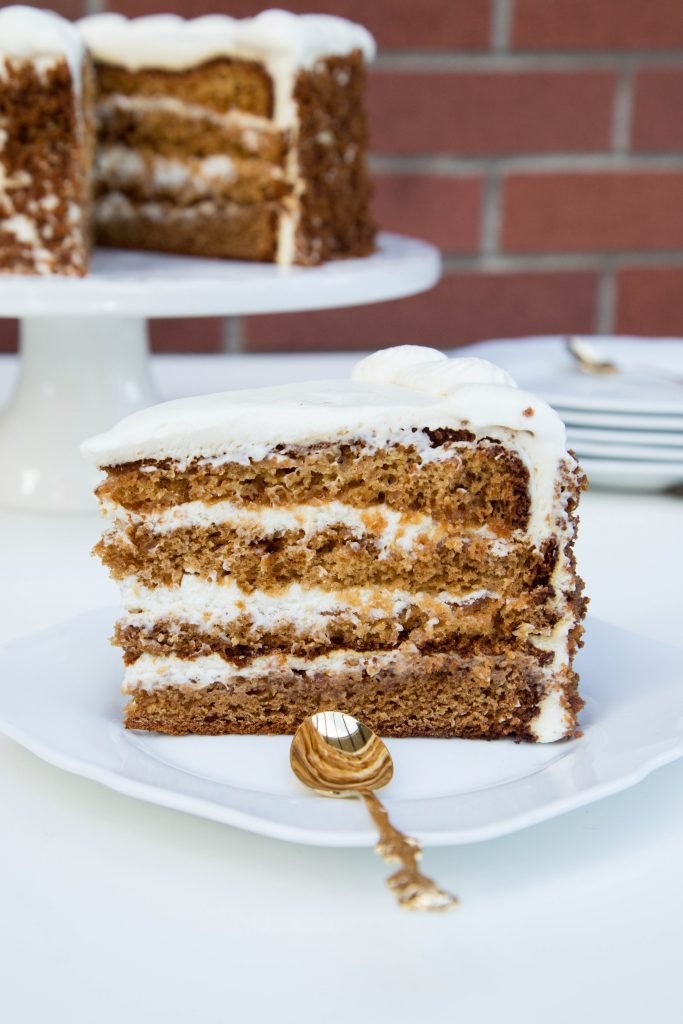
point(172, 43)
point(29, 33)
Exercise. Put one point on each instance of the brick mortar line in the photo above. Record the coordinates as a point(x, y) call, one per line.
point(444, 165)
point(491, 214)
point(232, 335)
point(606, 300)
point(622, 113)
point(484, 60)
point(501, 22)
point(554, 262)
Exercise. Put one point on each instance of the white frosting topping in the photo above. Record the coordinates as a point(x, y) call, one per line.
point(251, 423)
point(427, 369)
point(28, 33)
point(169, 42)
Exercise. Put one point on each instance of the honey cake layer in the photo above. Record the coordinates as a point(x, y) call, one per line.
point(484, 624)
point(473, 485)
point(223, 84)
point(332, 557)
point(206, 228)
point(445, 694)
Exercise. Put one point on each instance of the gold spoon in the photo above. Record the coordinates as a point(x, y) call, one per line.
point(592, 360)
point(336, 755)
point(588, 357)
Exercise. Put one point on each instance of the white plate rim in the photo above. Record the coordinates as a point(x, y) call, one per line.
point(639, 465)
point(647, 424)
point(671, 748)
point(639, 406)
point(537, 359)
point(632, 475)
point(622, 452)
point(644, 438)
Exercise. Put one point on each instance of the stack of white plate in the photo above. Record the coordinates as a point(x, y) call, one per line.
point(626, 427)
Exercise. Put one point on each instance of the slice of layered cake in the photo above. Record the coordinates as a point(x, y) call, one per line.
point(397, 546)
point(238, 138)
point(45, 144)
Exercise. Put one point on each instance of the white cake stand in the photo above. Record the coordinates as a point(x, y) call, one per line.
point(84, 360)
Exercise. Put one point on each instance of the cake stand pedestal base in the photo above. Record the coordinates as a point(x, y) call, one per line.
point(78, 375)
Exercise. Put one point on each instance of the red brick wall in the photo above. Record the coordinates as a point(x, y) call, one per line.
point(538, 143)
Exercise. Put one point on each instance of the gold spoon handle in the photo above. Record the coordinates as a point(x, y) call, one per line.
point(413, 890)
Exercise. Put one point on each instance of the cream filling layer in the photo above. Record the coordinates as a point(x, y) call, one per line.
point(391, 528)
point(249, 126)
point(117, 206)
point(204, 603)
point(120, 167)
point(152, 672)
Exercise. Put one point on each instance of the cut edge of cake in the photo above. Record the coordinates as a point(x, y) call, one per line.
point(279, 97)
point(398, 546)
point(46, 143)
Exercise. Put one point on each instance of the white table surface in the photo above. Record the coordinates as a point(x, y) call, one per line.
point(113, 910)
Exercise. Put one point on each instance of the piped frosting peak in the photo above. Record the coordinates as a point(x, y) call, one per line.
point(427, 369)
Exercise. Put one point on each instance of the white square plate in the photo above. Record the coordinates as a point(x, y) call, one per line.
point(59, 698)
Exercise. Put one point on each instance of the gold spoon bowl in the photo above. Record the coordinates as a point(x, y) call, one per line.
point(337, 756)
